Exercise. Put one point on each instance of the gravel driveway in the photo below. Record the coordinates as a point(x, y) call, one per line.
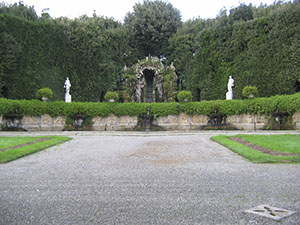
point(169, 179)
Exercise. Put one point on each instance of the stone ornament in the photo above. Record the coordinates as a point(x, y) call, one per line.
point(67, 86)
point(230, 86)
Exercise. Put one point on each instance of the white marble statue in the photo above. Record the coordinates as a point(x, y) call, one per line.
point(230, 86)
point(68, 97)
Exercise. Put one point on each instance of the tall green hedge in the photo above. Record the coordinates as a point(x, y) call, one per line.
point(259, 46)
point(284, 103)
point(42, 53)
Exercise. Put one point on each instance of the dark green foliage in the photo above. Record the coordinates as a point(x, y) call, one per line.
point(249, 92)
point(259, 46)
point(150, 25)
point(184, 96)
point(164, 109)
point(170, 85)
point(111, 95)
point(181, 49)
point(38, 53)
point(19, 10)
point(10, 53)
point(43, 52)
point(98, 46)
point(284, 103)
point(44, 92)
point(243, 12)
point(124, 96)
point(288, 103)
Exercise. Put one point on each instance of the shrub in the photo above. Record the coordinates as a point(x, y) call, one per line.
point(44, 93)
point(165, 109)
point(184, 96)
point(283, 103)
point(111, 96)
point(124, 96)
point(249, 92)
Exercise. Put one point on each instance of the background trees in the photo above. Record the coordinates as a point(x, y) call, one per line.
point(150, 26)
point(259, 46)
point(19, 10)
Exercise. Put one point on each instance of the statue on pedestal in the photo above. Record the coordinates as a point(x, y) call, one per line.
point(230, 86)
point(68, 97)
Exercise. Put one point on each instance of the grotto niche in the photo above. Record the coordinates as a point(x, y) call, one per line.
point(149, 81)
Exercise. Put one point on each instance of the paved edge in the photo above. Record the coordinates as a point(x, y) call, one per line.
point(144, 133)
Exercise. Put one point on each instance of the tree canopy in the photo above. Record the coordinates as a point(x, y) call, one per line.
point(19, 10)
point(150, 25)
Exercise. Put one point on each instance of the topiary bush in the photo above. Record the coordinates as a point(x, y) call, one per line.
point(111, 96)
point(184, 96)
point(44, 94)
point(249, 92)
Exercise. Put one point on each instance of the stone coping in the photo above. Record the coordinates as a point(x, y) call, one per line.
point(144, 133)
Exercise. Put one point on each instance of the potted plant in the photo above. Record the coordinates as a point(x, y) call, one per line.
point(249, 92)
point(111, 96)
point(184, 96)
point(44, 94)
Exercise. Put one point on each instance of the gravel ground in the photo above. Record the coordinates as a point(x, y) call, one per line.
point(143, 179)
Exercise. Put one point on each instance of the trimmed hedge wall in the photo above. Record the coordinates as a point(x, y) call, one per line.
point(284, 103)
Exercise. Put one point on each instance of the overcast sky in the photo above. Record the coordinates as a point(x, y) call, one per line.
point(118, 8)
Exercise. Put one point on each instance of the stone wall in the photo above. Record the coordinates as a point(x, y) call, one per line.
point(296, 120)
point(199, 122)
point(248, 122)
point(181, 122)
point(171, 122)
point(38, 123)
point(116, 123)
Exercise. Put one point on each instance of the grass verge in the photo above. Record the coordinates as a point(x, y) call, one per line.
point(276, 143)
point(25, 146)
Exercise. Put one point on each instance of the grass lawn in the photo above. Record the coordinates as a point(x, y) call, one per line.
point(12, 148)
point(276, 143)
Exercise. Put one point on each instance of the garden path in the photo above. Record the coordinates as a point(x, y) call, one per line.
point(143, 178)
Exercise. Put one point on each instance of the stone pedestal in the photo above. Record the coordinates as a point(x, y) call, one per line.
point(229, 95)
point(68, 97)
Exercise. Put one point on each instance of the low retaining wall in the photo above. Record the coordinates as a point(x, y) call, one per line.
point(114, 123)
point(35, 123)
point(296, 120)
point(171, 122)
point(199, 122)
